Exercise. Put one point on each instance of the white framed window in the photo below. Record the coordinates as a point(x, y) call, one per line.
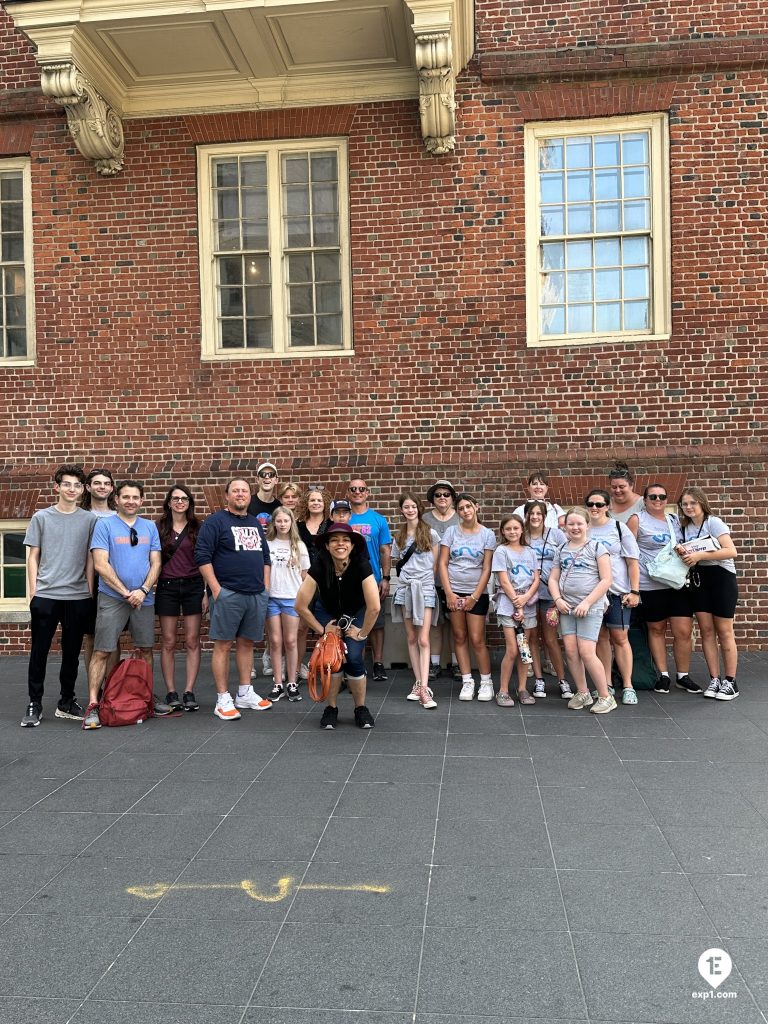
point(274, 249)
point(597, 230)
point(14, 595)
point(17, 335)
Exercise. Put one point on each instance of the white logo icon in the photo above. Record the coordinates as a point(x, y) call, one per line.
point(714, 966)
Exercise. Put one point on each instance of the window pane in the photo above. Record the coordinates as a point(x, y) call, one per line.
point(608, 316)
point(302, 332)
point(579, 319)
point(553, 320)
point(553, 288)
point(297, 233)
point(15, 311)
point(231, 333)
point(300, 267)
point(579, 255)
point(606, 150)
point(325, 199)
point(324, 167)
point(258, 334)
point(329, 330)
point(14, 281)
point(607, 184)
point(636, 316)
point(578, 152)
point(297, 201)
point(230, 270)
point(635, 250)
point(552, 188)
point(295, 168)
point(326, 231)
point(13, 248)
point(607, 252)
point(607, 217)
point(11, 217)
point(580, 286)
point(634, 148)
point(14, 552)
point(224, 173)
point(553, 256)
point(228, 235)
point(301, 300)
point(328, 298)
point(14, 582)
point(553, 220)
point(327, 266)
point(258, 301)
point(637, 216)
point(579, 186)
point(551, 155)
point(231, 302)
point(227, 204)
point(17, 342)
point(579, 220)
point(255, 234)
point(257, 270)
point(253, 171)
point(636, 182)
point(636, 283)
point(254, 204)
point(607, 284)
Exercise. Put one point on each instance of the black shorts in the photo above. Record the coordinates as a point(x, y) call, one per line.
point(714, 590)
point(180, 596)
point(480, 607)
point(658, 605)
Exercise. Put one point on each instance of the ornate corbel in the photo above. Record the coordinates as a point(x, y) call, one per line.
point(94, 126)
point(436, 91)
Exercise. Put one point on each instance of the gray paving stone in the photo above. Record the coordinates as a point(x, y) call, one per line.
point(611, 844)
point(134, 765)
point(475, 772)
point(659, 986)
point(300, 796)
point(737, 904)
point(212, 962)
point(680, 806)
point(376, 841)
point(21, 794)
point(404, 801)
point(415, 769)
point(210, 767)
point(176, 796)
point(22, 873)
point(381, 742)
point(591, 751)
point(78, 950)
point(670, 749)
point(89, 794)
point(632, 902)
point(265, 838)
point(269, 1015)
point(68, 832)
point(650, 775)
point(749, 959)
point(348, 892)
point(100, 1011)
point(36, 1010)
point(593, 804)
point(557, 769)
point(501, 798)
point(476, 895)
point(632, 723)
point(164, 835)
point(712, 849)
point(296, 764)
point(482, 744)
point(453, 1018)
point(353, 965)
point(493, 968)
point(492, 842)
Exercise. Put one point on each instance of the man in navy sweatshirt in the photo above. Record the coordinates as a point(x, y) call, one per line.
point(233, 557)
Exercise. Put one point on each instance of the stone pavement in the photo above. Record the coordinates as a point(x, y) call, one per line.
point(467, 865)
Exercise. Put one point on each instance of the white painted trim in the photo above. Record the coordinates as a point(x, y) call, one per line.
point(15, 604)
point(23, 164)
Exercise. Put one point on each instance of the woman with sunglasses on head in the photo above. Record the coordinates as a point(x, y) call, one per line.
point(709, 551)
point(579, 581)
point(624, 502)
point(312, 519)
point(544, 542)
point(538, 489)
point(624, 595)
point(442, 497)
point(414, 553)
point(180, 591)
point(464, 568)
point(660, 604)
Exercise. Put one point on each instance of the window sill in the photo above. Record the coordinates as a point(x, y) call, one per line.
point(315, 353)
point(602, 339)
point(19, 613)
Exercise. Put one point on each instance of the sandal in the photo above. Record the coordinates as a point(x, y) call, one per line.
point(628, 695)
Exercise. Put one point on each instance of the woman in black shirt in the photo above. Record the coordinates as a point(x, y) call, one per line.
point(347, 604)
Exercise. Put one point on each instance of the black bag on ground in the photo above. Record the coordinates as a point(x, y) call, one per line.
point(644, 674)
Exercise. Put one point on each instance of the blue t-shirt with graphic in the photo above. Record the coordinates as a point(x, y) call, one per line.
point(130, 562)
point(375, 531)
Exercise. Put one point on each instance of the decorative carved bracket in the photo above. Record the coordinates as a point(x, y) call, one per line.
point(94, 126)
point(437, 106)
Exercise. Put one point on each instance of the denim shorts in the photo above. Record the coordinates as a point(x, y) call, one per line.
point(238, 615)
point(281, 606)
point(584, 628)
point(617, 616)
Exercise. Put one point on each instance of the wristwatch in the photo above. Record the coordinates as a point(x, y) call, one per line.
point(387, 578)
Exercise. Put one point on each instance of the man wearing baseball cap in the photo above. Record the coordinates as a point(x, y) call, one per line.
point(265, 502)
point(341, 510)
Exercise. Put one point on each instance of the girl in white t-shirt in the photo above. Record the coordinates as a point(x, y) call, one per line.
point(290, 561)
point(517, 580)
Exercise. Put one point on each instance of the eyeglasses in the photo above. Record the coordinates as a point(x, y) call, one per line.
point(358, 490)
point(595, 504)
point(134, 536)
point(71, 486)
point(657, 497)
point(267, 474)
point(442, 494)
point(182, 497)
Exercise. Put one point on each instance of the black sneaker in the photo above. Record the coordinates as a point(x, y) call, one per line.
point(686, 683)
point(379, 673)
point(434, 672)
point(33, 716)
point(277, 691)
point(662, 685)
point(69, 709)
point(728, 690)
point(292, 689)
point(363, 718)
point(190, 704)
point(173, 701)
point(329, 719)
point(714, 686)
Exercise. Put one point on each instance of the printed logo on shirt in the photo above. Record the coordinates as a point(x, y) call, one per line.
point(247, 538)
point(515, 570)
point(127, 540)
point(264, 518)
point(468, 552)
point(364, 529)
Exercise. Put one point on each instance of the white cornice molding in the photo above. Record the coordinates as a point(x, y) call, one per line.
point(94, 126)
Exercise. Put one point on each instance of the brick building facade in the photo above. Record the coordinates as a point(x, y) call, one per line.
point(450, 367)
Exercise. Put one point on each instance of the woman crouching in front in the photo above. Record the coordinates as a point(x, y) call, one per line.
point(347, 605)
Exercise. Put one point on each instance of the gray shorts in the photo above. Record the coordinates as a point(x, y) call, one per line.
point(238, 615)
point(529, 620)
point(114, 615)
point(585, 628)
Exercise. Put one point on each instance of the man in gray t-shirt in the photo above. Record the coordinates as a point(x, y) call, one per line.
point(60, 578)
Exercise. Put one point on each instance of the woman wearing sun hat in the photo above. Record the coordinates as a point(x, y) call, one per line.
point(348, 605)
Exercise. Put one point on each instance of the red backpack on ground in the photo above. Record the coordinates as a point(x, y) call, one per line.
point(127, 696)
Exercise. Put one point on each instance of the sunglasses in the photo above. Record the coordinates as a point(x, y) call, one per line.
point(358, 490)
point(267, 475)
point(595, 504)
point(442, 494)
point(657, 497)
point(134, 536)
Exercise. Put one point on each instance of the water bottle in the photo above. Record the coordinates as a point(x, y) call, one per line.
point(522, 646)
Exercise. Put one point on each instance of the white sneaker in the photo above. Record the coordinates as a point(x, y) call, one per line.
point(467, 691)
point(251, 700)
point(225, 709)
point(303, 671)
point(486, 691)
point(266, 663)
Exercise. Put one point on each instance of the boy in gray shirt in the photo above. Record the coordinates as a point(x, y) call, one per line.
point(60, 577)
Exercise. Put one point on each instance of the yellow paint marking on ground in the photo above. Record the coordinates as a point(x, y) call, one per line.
point(280, 890)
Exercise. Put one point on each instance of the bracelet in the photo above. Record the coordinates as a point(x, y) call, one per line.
point(362, 636)
point(387, 578)
point(635, 592)
point(144, 589)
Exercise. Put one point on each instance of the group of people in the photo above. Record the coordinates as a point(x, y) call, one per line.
point(293, 561)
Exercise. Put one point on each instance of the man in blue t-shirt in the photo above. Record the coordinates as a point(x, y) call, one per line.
point(233, 557)
point(127, 559)
point(374, 529)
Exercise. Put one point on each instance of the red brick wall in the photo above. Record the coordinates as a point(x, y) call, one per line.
point(441, 382)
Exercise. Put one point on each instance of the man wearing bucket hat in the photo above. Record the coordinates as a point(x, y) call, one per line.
point(442, 497)
point(347, 603)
